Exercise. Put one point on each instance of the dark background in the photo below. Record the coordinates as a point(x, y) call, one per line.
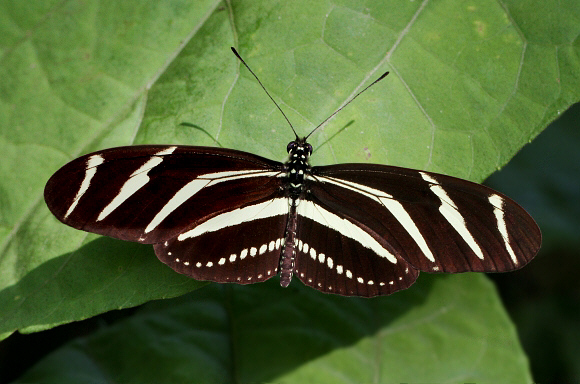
point(543, 299)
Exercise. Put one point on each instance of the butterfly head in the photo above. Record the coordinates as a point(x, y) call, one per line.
point(299, 150)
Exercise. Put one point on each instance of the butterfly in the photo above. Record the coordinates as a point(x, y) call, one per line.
point(224, 215)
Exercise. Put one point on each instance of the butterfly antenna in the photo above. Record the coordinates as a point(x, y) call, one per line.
point(348, 102)
point(265, 90)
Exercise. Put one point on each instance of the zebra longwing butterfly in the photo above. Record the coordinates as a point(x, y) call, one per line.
point(352, 229)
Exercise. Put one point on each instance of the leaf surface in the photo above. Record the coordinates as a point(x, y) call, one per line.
point(447, 329)
point(470, 84)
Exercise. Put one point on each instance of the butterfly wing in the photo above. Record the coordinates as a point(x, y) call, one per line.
point(154, 194)
point(150, 194)
point(434, 222)
point(336, 253)
point(220, 215)
point(241, 246)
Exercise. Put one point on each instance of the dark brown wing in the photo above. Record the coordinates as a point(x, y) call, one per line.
point(150, 194)
point(436, 223)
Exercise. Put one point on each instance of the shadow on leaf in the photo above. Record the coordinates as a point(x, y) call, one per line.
point(101, 275)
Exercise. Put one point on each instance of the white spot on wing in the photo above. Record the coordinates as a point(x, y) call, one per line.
point(179, 198)
point(407, 222)
point(328, 219)
point(136, 181)
point(263, 249)
point(95, 161)
point(194, 186)
point(451, 213)
point(92, 163)
point(266, 209)
point(222, 261)
point(166, 151)
point(392, 205)
point(329, 262)
point(497, 203)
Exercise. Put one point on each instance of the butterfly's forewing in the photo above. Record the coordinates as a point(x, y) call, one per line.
point(436, 223)
point(151, 194)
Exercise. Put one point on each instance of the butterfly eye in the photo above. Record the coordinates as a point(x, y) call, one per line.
point(308, 148)
point(291, 146)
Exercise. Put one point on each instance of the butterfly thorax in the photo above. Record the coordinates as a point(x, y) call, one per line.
point(296, 168)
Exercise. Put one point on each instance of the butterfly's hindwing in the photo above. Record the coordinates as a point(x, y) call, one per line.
point(335, 254)
point(240, 246)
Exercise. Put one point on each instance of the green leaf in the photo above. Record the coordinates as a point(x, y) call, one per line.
point(470, 84)
point(75, 77)
point(445, 329)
